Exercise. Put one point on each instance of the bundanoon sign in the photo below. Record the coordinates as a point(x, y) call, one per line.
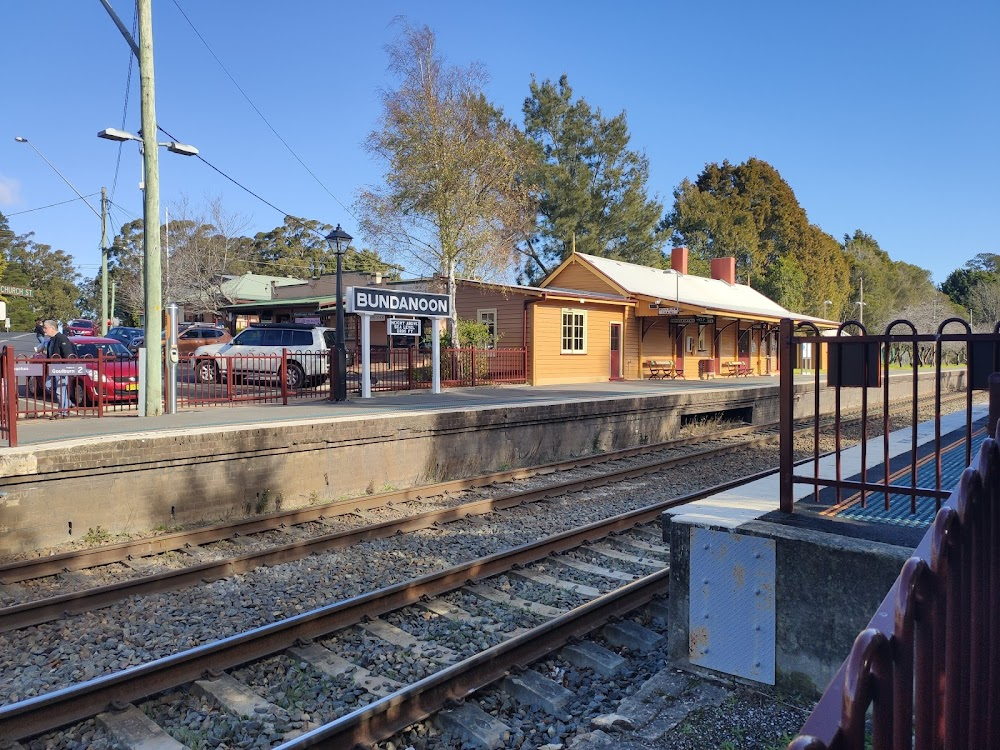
point(368, 301)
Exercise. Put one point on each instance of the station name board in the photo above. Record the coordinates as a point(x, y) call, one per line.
point(366, 300)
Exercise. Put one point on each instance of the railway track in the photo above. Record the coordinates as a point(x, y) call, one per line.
point(49, 608)
point(598, 593)
point(21, 719)
point(145, 566)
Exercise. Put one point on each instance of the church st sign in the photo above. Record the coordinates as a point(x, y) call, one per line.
point(365, 300)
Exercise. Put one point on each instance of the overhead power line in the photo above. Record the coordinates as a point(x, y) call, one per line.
point(261, 115)
point(53, 205)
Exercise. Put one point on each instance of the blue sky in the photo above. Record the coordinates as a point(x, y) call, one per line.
point(882, 116)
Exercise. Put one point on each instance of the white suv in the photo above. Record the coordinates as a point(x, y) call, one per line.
point(255, 353)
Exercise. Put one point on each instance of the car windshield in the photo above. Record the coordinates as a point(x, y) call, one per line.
point(116, 350)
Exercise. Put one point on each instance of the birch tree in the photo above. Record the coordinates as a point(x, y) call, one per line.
point(453, 200)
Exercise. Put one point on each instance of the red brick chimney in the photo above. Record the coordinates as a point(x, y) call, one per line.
point(679, 259)
point(724, 269)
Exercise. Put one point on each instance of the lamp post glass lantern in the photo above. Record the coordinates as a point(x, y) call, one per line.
point(339, 241)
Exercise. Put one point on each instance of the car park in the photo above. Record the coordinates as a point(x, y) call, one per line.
point(118, 382)
point(80, 327)
point(255, 353)
point(131, 337)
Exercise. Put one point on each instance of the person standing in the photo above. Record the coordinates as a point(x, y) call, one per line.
point(39, 331)
point(58, 345)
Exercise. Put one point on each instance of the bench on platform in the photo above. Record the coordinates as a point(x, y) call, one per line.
point(736, 368)
point(660, 369)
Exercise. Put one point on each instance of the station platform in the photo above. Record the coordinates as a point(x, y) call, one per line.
point(44, 431)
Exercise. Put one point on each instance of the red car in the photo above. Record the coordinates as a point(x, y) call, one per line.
point(80, 327)
point(120, 381)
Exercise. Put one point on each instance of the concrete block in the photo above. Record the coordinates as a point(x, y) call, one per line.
point(631, 635)
point(660, 609)
point(665, 699)
point(323, 660)
point(472, 724)
point(535, 690)
point(588, 655)
point(557, 583)
point(233, 696)
point(136, 731)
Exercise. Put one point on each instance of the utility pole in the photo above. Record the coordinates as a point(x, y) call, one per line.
point(861, 312)
point(104, 261)
point(152, 293)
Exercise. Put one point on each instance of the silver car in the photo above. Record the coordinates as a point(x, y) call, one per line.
point(255, 354)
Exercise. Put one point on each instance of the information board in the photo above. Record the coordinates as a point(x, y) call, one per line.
point(403, 327)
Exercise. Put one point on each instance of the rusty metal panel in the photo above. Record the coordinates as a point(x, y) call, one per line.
point(731, 615)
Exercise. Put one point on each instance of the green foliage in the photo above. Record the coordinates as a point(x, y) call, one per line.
point(749, 212)
point(889, 286)
point(297, 248)
point(591, 187)
point(98, 535)
point(48, 272)
point(453, 199)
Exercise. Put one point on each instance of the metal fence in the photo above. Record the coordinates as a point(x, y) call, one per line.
point(927, 668)
point(879, 369)
point(264, 378)
point(8, 397)
point(412, 368)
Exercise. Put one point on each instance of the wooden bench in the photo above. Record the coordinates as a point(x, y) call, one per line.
point(736, 368)
point(660, 369)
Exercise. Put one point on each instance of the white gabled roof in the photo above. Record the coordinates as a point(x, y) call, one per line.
point(694, 291)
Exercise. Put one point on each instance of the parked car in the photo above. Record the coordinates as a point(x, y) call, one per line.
point(80, 327)
point(120, 381)
point(131, 337)
point(199, 334)
point(254, 353)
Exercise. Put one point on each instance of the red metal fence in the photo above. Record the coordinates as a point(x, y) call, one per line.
point(864, 363)
point(8, 397)
point(412, 368)
point(928, 665)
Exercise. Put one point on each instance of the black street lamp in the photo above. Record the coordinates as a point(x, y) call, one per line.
point(339, 240)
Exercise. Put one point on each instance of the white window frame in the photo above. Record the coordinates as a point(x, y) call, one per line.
point(702, 347)
point(488, 317)
point(577, 333)
point(689, 345)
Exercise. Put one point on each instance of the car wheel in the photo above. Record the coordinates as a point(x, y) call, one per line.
point(35, 388)
point(208, 372)
point(80, 395)
point(295, 376)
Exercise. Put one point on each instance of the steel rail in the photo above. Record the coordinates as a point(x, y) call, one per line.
point(381, 719)
point(52, 710)
point(23, 570)
point(64, 605)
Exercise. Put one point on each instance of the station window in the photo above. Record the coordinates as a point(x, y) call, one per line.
point(701, 339)
point(574, 332)
point(489, 319)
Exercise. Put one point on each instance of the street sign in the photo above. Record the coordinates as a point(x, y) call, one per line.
point(683, 321)
point(704, 320)
point(22, 369)
point(67, 368)
point(17, 291)
point(668, 311)
point(403, 327)
point(367, 301)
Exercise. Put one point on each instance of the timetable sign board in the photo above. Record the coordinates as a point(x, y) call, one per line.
point(403, 327)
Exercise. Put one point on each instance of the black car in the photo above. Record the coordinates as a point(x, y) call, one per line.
point(131, 337)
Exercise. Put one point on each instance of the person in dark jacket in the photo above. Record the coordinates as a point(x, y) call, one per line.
point(58, 345)
point(39, 331)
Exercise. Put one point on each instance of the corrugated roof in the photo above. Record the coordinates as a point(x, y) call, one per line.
point(539, 291)
point(254, 286)
point(693, 291)
point(298, 301)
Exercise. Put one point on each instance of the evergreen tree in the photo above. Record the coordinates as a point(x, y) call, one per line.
point(591, 187)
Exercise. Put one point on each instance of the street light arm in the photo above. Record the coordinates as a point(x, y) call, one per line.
point(21, 139)
point(121, 28)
